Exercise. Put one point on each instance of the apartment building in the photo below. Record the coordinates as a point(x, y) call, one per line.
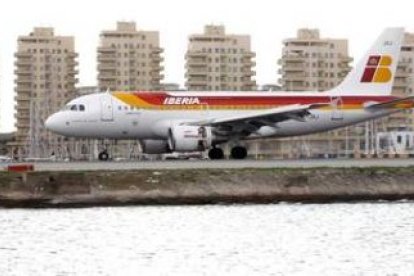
point(312, 63)
point(45, 80)
point(219, 61)
point(129, 59)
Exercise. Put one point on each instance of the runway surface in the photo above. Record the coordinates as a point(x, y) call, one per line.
point(222, 164)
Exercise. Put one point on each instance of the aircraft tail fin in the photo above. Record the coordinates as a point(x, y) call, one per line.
point(374, 73)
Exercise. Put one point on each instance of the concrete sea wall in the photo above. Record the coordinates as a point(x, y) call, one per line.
point(205, 186)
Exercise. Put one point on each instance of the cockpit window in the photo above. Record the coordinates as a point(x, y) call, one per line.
point(74, 107)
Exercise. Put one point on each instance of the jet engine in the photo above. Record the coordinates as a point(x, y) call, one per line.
point(190, 138)
point(155, 146)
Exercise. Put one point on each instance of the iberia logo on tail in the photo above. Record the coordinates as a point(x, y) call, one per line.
point(377, 69)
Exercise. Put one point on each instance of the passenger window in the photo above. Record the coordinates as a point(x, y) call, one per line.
point(81, 107)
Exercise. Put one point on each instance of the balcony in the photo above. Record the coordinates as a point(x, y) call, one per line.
point(249, 73)
point(294, 76)
point(23, 71)
point(400, 82)
point(249, 62)
point(104, 85)
point(21, 80)
point(156, 68)
point(402, 72)
point(248, 82)
point(197, 81)
point(154, 83)
point(106, 77)
point(106, 57)
point(157, 76)
point(292, 58)
point(156, 58)
point(22, 97)
point(23, 62)
point(250, 54)
point(71, 64)
point(196, 61)
point(22, 116)
point(157, 50)
point(72, 72)
point(107, 66)
point(71, 80)
point(195, 67)
point(191, 55)
point(293, 67)
point(72, 55)
point(23, 124)
point(345, 59)
point(195, 87)
point(402, 65)
point(198, 72)
point(106, 50)
point(297, 87)
point(248, 87)
point(23, 88)
point(23, 55)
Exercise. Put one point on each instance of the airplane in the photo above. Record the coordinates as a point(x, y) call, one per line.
point(5, 158)
point(192, 121)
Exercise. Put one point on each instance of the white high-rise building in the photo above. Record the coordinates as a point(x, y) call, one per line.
point(219, 61)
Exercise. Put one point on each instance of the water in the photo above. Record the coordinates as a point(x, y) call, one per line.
point(281, 239)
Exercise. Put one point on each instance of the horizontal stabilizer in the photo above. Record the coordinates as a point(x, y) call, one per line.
point(407, 102)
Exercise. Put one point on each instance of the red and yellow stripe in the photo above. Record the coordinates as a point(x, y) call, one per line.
point(155, 100)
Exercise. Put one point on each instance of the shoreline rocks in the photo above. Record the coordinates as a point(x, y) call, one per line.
point(205, 186)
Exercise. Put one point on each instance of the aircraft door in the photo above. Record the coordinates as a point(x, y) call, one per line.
point(206, 110)
point(107, 112)
point(337, 113)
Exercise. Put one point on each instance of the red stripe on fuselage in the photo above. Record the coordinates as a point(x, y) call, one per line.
point(157, 98)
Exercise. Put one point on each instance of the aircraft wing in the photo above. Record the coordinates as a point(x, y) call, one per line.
point(246, 124)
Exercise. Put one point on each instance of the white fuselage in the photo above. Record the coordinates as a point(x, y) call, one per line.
point(105, 116)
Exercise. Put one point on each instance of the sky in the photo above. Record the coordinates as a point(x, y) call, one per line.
point(268, 22)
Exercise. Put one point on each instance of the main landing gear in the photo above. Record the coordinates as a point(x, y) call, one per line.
point(215, 153)
point(103, 155)
point(237, 152)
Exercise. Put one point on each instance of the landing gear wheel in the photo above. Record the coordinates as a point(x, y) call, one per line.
point(103, 156)
point(215, 153)
point(238, 152)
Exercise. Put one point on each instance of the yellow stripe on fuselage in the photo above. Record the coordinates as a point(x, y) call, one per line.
point(135, 101)
point(131, 99)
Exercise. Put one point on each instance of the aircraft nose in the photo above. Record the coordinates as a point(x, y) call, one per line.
point(53, 123)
